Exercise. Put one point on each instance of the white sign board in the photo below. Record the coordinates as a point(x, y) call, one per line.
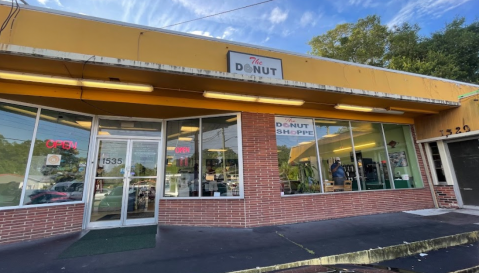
point(53, 160)
point(294, 127)
point(254, 65)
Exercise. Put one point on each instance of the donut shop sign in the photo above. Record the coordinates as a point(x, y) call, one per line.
point(254, 65)
point(294, 127)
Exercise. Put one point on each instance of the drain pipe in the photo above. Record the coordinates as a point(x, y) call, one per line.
point(428, 175)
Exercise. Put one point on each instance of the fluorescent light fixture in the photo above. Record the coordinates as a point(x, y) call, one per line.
point(170, 148)
point(84, 123)
point(281, 101)
point(355, 146)
point(232, 119)
point(189, 128)
point(330, 135)
point(304, 159)
point(226, 96)
point(320, 121)
point(248, 98)
point(353, 108)
point(217, 150)
point(385, 111)
point(185, 138)
point(103, 133)
point(28, 77)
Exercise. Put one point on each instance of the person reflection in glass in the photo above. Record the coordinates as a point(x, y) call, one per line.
point(338, 172)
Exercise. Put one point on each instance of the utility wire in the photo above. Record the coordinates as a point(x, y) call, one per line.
point(12, 13)
point(223, 12)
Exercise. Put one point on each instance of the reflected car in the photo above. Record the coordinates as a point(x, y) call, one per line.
point(99, 195)
point(113, 200)
point(46, 196)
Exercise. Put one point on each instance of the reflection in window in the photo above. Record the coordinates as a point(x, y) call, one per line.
point(16, 132)
point(129, 128)
point(58, 164)
point(219, 166)
point(404, 165)
point(297, 156)
point(370, 155)
point(182, 158)
point(337, 165)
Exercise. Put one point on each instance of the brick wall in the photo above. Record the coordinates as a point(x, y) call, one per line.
point(263, 204)
point(446, 197)
point(34, 223)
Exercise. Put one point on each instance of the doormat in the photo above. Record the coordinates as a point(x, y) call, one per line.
point(104, 241)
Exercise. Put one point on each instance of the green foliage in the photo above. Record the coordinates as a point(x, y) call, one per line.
point(451, 53)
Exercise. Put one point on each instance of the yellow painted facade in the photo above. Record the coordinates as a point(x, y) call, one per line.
point(457, 120)
point(63, 33)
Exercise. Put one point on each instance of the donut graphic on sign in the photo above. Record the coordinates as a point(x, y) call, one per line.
point(53, 160)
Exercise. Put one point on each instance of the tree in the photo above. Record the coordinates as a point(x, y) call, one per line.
point(451, 53)
point(364, 42)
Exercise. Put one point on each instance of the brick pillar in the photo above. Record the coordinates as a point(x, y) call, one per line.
point(261, 173)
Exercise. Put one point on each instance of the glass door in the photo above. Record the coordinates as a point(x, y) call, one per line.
point(124, 191)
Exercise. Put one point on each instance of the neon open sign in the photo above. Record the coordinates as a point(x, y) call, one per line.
point(63, 144)
point(182, 150)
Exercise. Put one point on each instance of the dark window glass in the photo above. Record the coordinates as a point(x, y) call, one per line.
point(182, 158)
point(219, 166)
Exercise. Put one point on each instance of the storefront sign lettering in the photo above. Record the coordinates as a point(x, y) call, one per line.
point(294, 127)
point(458, 130)
point(63, 144)
point(247, 64)
point(182, 150)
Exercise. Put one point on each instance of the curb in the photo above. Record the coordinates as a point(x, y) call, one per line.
point(380, 254)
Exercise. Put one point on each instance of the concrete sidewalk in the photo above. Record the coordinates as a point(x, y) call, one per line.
point(200, 249)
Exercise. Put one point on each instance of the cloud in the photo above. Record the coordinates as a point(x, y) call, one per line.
point(202, 33)
point(418, 9)
point(277, 16)
point(229, 31)
point(307, 19)
point(45, 2)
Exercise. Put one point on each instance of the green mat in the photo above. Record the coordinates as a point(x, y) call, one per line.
point(104, 241)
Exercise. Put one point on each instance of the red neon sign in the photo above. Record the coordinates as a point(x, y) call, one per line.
point(63, 144)
point(182, 150)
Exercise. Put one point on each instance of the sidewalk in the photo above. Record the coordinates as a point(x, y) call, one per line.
point(200, 249)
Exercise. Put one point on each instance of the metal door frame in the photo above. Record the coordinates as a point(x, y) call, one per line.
point(126, 181)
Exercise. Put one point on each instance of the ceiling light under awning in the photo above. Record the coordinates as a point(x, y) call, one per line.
point(367, 109)
point(38, 78)
point(248, 98)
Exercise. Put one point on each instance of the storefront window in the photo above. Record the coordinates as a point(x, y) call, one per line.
point(370, 155)
point(58, 164)
point(404, 165)
point(16, 131)
point(337, 163)
point(219, 157)
point(297, 156)
point(218, 173)
point(438, 167)
point(182, 158)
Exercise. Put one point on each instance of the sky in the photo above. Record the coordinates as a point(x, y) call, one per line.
point(281, 24)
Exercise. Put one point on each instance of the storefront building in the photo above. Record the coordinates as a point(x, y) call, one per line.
point(106, 124)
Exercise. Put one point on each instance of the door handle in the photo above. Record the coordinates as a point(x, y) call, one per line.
point(467, 189)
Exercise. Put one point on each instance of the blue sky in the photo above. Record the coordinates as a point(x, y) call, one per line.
point(281, 24)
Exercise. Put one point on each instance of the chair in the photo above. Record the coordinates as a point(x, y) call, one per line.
point(348, 185)
point(328, 186)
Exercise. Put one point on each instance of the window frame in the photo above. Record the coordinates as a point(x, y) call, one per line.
point(30, 153)
point(354, 154)
point(200, 145)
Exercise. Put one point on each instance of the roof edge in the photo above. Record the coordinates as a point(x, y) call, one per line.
point(131, 64)
point(92, 18)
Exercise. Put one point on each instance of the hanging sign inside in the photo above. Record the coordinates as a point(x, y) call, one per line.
point(294, 127)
